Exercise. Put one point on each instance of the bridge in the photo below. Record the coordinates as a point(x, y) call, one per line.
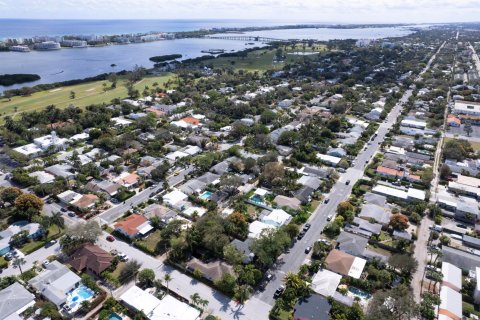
point(244, 38)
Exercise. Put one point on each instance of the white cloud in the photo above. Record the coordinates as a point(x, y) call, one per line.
point(346, 11)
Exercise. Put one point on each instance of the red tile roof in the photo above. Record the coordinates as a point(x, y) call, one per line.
point(389, 171)
point(191, 120)
point(130, 224)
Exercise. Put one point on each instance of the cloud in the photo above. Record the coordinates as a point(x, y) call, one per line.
point(346, 11)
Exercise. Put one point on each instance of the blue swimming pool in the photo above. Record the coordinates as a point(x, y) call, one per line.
point(77, 296)
point(359, 293)
point(206, 195)
point(114, 316)
point(257, 199)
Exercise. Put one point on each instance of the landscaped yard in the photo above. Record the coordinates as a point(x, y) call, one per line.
point(150, 242)
point(85, 94)
point(31, 246)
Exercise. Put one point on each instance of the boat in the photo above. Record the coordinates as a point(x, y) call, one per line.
point(213, 51)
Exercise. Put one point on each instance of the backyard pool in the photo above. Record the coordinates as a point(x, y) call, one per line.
point(359, 293)
point(114, 316)
point(257, 199)
point(206, 195)
point(76, 297)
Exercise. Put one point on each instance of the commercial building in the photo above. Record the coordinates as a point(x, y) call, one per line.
point(47, 45)
point(451, 304)
point(74, 43)
point(452, 276)
point(466, 107)
point(46, 144)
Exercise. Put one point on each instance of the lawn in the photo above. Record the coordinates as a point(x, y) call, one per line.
point(259, 60)
point(85, 94)
point(116, 272)
point(31, 246)
point(475, 145)
point(150, 242)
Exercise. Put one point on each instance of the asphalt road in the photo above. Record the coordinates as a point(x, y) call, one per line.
point(112, 214)
point(296, 256)
point(219, 304)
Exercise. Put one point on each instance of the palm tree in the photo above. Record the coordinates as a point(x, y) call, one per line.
point(19, 262)
point(293, 280)
point(203, 303)
point(242, 293)
point(57, 220)
point(195, 298)
point(167, 278)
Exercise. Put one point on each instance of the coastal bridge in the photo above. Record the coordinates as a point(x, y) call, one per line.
point(244, 38)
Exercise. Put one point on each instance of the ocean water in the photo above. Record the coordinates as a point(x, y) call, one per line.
point(23, 28)
point(69, 64)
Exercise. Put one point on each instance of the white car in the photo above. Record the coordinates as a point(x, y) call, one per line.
point(45, 263)
point(123, 257)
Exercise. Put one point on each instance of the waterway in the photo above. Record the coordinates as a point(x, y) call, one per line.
point(69, 64)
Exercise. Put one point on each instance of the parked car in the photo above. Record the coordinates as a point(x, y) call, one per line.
point(300, 235)
point(329, 217)
point(71, 214)
point(123, 257)
point(114, 252)
point(63, 210)
point(45, 263)
point(348, 182)
point(327, 200)
point(110, 238)
point(8, 256)
point(307, 227)
point(462, 226)
point(308, 249)
point(268, 277)
point(432, 268)
point(279, 292)
point(50, 243)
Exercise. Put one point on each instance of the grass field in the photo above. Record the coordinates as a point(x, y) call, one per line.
point(85, 94)
point(475, 145)
point(262, 60)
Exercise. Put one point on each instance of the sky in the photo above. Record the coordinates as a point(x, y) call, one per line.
point(326, 11)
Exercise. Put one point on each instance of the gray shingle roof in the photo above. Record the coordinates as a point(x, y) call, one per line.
point(14, 298)
point(352, 243)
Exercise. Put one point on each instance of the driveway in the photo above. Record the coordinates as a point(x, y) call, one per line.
point(421, 255)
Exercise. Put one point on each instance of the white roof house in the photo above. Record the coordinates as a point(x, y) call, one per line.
point(357, 268)
point(329, 159)
point(121, 122)
point(261, 192)
point(80, 136)
point(29, 150)
point(50, 140)
point(452, 276)
point(69, 196)
point(256, 227)
point(191, 210)
point(55, 282)
point(14, 300)
point(174, 197)
point(391, 192)
point(325, 282)
point(192, 150)
point(466, 107)
point(450, 305)
point(168, 308)
point(416, 194)
point(176, 155)
point(413, 123)
point(277, 218)
point(42, 176)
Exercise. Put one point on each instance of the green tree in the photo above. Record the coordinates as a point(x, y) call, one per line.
point(146, 277)
point(394, 304)
point(167, 278)
point(403, 262)
point(227, 283)
point(19, 262)
point(129, 271)
point(57, 220)
point(9, 194)
point(242, 293)
point(232, 255)
point(270, 245)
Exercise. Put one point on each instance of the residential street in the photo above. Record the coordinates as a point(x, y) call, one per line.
point(421, 255)
point(340, 192)
point(185, 286)
point(39, 256)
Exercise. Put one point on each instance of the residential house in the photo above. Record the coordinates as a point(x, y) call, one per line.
point(325, 282)
point(345, 264)
point(134, 226)
point(153, 308)
point(304, 194)
point(128, 180)
point(55, 282)
point(351, 243)
point(14, 300)
point(244, 247)
point(450, 304)
point(377, 213)
point(175, 199)
point(91, 258)
point(85, 202)
point(283, 201)
point(312, 182)
point(277, 218)
point(313, 307)
point(212, 270)
point(163, 213)
point(107, 187)
point(462, 259)
point(61, 170)
point(452, 276)
point(329, 160)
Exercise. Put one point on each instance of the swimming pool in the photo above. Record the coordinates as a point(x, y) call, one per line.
point(76, 297)
point(206, 195)
point(257, 199)
point(114, 316)
point(359, 293)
